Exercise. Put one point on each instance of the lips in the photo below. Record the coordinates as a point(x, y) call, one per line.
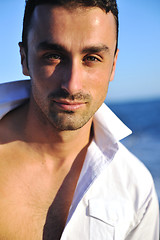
point(68, 105)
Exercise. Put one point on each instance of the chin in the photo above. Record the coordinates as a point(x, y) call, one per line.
point(68, 123)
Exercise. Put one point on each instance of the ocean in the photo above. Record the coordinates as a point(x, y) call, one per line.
point(143, 118)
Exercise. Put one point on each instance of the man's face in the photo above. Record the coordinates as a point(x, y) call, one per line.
point(71, 59)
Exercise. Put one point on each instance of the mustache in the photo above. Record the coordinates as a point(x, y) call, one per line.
point(63, 94)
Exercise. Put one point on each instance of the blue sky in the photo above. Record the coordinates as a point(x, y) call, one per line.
point(138, 69)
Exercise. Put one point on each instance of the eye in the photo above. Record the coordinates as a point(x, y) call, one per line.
point(91, 59)
point(52, 56)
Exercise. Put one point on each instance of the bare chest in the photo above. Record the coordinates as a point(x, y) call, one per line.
point(34, 197)
point(30, 201)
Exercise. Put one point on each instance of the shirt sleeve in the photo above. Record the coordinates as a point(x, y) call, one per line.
point(147, 220)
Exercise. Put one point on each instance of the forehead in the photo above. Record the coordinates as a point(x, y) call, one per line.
point(59, 24)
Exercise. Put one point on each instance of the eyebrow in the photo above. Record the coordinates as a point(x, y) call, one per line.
point(96, 49)
point(57, 47)
point(50, 46)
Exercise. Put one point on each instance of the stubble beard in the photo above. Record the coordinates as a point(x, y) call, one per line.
point(68, 120)
point(65, 120)
point(62, 120)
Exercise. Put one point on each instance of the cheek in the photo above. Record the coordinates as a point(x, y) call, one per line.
point(99, 85)
point(44, 77)
point(37, 71)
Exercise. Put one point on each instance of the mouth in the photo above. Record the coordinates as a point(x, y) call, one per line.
point(68, 105)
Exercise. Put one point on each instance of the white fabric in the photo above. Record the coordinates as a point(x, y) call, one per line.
point(13, 94)
point(115, 197)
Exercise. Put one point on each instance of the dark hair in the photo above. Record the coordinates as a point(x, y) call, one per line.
point(106, 5)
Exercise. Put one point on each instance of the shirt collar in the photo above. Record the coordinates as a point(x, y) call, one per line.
point(106, 120)
point(12, 95)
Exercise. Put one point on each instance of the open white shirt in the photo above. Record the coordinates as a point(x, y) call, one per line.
point(115, 197)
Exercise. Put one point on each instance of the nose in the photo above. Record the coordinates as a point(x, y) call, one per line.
point(72, 77)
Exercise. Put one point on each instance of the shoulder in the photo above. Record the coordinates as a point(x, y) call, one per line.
point(132, 168)
point(129, 162)
point(133, 176)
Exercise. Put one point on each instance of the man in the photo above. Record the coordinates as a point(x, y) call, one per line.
point(63, 173)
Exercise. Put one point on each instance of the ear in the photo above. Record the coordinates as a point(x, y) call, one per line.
point(25, 69)
point(114, 66)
